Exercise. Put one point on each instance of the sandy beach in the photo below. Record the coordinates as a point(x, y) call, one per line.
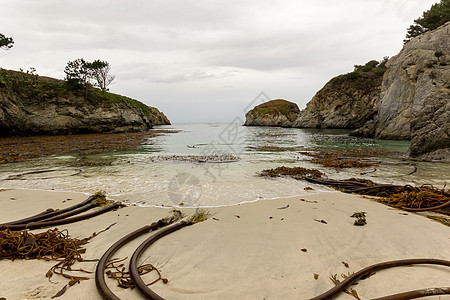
point(247, 251)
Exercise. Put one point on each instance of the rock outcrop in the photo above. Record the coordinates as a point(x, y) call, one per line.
point(415, 97)
point(405, 98)
point(31, 105)
point(346, 101)
point(278, 112)
point(158, 117)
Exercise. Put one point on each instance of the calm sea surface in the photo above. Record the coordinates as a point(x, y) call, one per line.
point(164, 172)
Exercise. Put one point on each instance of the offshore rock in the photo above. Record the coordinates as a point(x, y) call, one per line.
point(278, 112)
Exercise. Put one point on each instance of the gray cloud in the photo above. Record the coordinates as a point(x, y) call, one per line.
point(173, 52)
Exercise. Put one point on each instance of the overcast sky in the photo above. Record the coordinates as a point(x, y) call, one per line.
point(205, 61)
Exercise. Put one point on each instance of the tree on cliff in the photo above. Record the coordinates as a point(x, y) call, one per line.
point(5, 42)
point(437, 15)
point(79, 73)
point(99, 70)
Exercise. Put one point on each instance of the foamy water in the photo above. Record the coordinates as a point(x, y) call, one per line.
point(149, 176)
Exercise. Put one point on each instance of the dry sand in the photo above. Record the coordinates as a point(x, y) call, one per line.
point(248, 251)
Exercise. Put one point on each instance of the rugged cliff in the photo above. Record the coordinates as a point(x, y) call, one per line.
point(411, 101)
point(415, 97)
point(346, 101)
point(273, 113)
point(31, 104)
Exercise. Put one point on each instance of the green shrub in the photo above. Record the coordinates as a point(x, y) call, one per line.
point(438, 54)
point(380, 72)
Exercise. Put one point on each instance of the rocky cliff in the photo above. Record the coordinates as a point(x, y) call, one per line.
point(410, 101)
point(31, 104)
point(273, 113)
point(346, 101)
point(415, 97)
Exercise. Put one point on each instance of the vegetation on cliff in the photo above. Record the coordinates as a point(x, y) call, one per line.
point(436, 16)
point(82, 74)
point(32, 104)
point(6, 42)
point(362, 76)
point(346, 101)
point(273, 113)
point(35, 89)
point(278, 106)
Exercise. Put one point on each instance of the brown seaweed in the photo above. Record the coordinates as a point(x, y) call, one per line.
point(51, 245)
point(408, 197)
point(338, 159)
point(295, 172)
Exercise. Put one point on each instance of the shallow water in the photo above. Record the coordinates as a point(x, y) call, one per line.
point(149, 176)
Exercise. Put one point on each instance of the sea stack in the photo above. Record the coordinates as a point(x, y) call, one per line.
point(279, 112)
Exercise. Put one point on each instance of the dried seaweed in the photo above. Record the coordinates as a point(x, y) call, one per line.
point(351, 152)
point(115, 267)
point(342, 163)
point(360, 218)
point(116, 270)
point(350, 291)
point(100, 199)
point(338, 159)
point(199, 216)
point(295, 172)
point(411, 198)
point(176, 215)
point(417, 197)
point(51, 245)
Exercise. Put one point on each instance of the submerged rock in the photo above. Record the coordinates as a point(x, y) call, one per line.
point(273, 113)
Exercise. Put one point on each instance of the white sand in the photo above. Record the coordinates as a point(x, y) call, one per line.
point(245, 257)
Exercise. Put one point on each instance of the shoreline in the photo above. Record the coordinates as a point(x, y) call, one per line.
point(248, 251)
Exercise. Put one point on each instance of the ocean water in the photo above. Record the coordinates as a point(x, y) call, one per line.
point(213, 165)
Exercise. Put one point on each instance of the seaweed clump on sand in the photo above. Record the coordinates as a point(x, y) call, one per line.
point(51, 245)
point(200, 215)
point(407, 197)
point(295, 172)
point(418, 198)
point(100, 199)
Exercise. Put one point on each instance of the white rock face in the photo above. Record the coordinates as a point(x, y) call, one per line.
point(411, 102)
point(415, 95)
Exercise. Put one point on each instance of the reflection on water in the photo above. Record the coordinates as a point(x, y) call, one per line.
point(136, 176)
